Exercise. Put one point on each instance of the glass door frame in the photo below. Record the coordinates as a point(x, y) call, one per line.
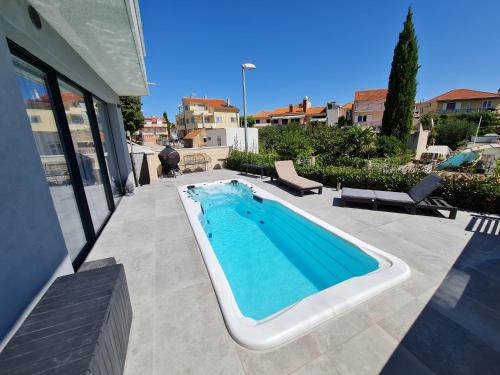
point(52, 77)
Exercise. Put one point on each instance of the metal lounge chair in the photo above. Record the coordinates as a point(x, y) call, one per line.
point(288, 176)
point(417, 197)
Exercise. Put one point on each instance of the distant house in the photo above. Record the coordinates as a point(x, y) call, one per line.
point(461, 101)
point(368, 108)
point(334, 111)
point(154, 129)
point(299, 113)
point(200, 113)
point(224, 137)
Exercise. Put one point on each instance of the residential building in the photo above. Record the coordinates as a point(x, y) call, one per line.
point(224, 137)
point(368, 108)
point(199, 113)
point(300, 113)
point(234, 138)
point(461, 101)
point(155, 128)
point(64, 158)
point(334, 111)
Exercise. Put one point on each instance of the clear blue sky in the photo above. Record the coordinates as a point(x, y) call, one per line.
point(325, 49)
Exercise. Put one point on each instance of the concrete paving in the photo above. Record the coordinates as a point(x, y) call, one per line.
point(444, 319)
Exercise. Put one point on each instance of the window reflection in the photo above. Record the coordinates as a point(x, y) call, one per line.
point(83, 142)
point(39, 108)
point(108, 146)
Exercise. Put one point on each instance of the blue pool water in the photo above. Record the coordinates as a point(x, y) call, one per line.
point(271, 256)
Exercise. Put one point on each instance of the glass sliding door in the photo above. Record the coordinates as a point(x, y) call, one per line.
point(108, 145)
point(83, 142)
point(40, 109)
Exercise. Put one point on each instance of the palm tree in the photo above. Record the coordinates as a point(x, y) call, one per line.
point(360, 141)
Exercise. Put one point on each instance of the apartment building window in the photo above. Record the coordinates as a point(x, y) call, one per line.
point(361, 118)
point(275, 121)
point(219, 140)
point(487, 104)
point(34, 119)
point(284, 121)
point(268, 121)
point(233, 119)
point(76, 119)
point(451, 106)
point(257, 121)
point(218, 119)
point(186, 108)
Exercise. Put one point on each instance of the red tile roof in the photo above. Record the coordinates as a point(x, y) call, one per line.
point(193, 134)
point(296, 110)
point(216, 104)
point(154, 120)
point(347, 105)
point(377, 94)
point(464, 94)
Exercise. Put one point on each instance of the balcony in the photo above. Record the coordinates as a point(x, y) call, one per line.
point(464, 110)
point(450, 301)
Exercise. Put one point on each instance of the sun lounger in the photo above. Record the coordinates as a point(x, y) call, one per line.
point(417, 197)
point(288, 176)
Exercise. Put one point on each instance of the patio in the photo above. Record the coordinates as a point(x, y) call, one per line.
point(444, 319)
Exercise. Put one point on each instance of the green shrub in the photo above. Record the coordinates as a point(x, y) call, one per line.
point(453, 132)
point(472, 192)
point(476, 193)
point(389, 146)
point(236, 158)
point(349, 161)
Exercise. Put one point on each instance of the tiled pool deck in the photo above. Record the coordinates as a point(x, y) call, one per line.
point(445, 319)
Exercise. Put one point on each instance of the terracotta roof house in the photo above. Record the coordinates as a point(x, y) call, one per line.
point(196, 113)
point(461, 101)
point(368, 107)
point(154, 129)
point(334, 111)
point(299, 113)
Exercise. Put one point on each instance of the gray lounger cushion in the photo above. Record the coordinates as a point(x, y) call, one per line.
point(393, 196)
point(425, 187)
point(358, 193)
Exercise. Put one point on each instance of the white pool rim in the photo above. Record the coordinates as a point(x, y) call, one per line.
point(301, 317)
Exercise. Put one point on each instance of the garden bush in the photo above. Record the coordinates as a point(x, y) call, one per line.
point(470, 192)
point(389, 146)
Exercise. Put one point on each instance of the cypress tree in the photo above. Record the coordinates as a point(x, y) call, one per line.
point(398, 114)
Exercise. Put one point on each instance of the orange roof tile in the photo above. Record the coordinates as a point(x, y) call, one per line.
point(464, 94)
point(154, 119)
point(262, 114)
point(347, 105)
point(216, 104)
point(315, 110)
point(377, 94)
point(296, 110)
point(193, 134)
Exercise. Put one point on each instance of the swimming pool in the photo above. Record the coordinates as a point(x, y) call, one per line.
point(278, 271)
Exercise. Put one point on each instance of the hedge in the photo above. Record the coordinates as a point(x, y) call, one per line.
point(466, 191)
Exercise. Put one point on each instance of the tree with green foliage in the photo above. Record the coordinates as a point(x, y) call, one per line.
point(294, 143)
point(133, 119)
point(388, 146)
point(454, 132)
point(398, 114)
point(359, 141)
point(169, 124)
point(250, 121)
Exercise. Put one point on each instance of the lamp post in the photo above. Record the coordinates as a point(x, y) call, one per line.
point(246, 66)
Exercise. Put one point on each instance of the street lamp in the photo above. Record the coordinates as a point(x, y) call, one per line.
point(246, 66)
